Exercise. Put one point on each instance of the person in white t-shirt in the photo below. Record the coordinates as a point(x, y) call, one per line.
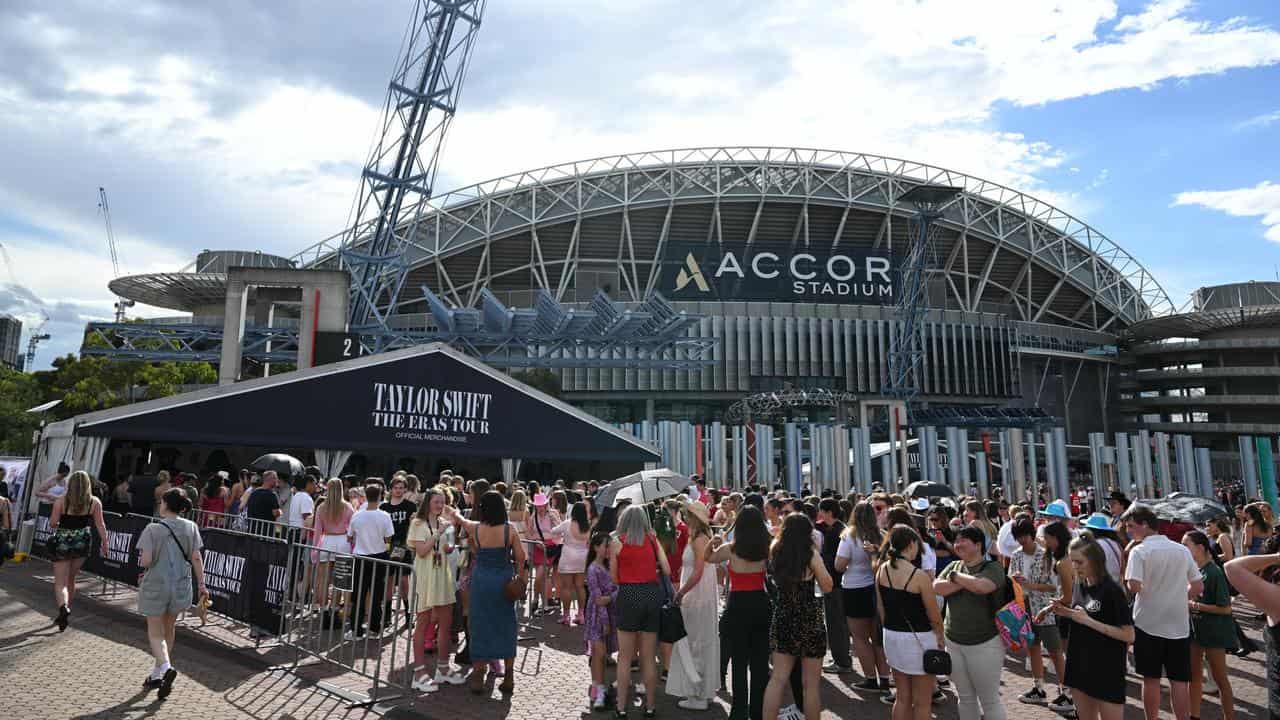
point(301, 509)
point(370, 532)
point(854, 560)
point(1162, 577)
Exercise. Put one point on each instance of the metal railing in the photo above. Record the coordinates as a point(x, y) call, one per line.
point(342, 608)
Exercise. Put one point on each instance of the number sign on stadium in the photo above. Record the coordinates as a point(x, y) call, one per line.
point(707, 271)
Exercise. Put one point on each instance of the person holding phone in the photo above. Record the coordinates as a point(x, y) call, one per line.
point(1102, 629)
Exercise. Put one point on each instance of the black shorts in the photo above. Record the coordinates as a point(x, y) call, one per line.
point(1064, 628)
point(639, 606)
point(1155, 656)
point(860, 603)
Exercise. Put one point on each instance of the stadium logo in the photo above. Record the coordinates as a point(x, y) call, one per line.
point(764, 272)
point(691, 273)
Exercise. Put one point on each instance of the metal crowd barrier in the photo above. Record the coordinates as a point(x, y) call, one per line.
point(342, 608)
point(530, 600)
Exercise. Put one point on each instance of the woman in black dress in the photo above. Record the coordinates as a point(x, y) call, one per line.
point(1102, 628)
point(798, 632)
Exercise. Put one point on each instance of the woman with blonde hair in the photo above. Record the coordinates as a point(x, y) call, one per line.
point(73, 512)
point(332, 520)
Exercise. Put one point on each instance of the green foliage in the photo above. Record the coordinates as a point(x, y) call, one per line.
point(540, 379)
point(18, 393)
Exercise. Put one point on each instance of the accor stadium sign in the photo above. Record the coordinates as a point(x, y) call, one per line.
point(708, 271)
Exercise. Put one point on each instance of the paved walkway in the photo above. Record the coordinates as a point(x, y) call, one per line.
point(94, 670)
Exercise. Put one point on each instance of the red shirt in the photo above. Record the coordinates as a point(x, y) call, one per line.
point(638, 564)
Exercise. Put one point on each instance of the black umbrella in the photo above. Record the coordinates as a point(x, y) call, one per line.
point(1187, 508)
point(922, 488)
point(286, 466)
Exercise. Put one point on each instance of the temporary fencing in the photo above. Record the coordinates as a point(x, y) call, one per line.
point(352, 611)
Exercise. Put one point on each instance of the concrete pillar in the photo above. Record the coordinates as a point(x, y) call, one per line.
point(1015, 464)
point(1162, 464)
point(1248, 467)
point(984, 485)
point(325, 295)
point(1060, 457)
point(1124, 477)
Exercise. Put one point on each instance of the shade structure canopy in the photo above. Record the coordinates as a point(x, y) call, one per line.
point(424, 400)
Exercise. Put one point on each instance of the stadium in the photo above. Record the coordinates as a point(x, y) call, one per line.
point(784, 253)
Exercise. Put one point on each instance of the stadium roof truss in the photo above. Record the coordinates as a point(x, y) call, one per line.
point(605, 334)
point(1042, 248)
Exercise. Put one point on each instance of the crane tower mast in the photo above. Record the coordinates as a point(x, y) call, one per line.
point(399, 176)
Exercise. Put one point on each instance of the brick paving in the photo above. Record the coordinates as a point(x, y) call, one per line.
point(94, 669)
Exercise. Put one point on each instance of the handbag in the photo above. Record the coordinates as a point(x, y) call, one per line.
point(934, 661)
point(671, 627)
point(514, 588)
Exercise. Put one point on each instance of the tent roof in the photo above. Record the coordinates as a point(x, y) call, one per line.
point(428, 400)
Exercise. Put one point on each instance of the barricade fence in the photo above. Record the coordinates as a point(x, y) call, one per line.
point(349, 610)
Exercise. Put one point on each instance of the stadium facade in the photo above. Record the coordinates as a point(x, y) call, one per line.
point(787, 256)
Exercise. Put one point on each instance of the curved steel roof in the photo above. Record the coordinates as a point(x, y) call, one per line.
point(1039, 262)
point(175, 290)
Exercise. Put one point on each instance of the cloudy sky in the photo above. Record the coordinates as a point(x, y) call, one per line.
point(244, 124)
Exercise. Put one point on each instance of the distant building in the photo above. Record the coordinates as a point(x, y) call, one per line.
point(10, 341)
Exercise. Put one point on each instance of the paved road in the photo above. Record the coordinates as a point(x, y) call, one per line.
point(94, 669)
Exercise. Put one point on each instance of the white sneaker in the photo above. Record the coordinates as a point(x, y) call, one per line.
point(449, 678)
point(425, 685)
point(638, 689)
point(693, 704)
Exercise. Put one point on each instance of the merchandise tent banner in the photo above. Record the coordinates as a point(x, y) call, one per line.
point(423, 400)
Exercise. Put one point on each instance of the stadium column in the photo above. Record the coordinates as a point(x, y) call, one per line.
point(1204, 470)
point(1060, 457)
point(1162, 464)
point(1050, 467)
point(1248, 466)
point(962, 442)
point(1033, 471)
point(984, 486)
point(1124, 478)
point(1015, 468)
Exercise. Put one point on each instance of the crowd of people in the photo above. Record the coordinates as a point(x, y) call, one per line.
point(752, 595)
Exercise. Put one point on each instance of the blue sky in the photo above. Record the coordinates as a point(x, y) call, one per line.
point(244, 125)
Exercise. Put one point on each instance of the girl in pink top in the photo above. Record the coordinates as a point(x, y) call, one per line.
point(332, 519)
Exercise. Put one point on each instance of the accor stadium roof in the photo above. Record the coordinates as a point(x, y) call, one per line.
point(997, 249)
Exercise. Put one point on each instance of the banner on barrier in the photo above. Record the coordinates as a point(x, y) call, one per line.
point(122, 562)
point(246, 577)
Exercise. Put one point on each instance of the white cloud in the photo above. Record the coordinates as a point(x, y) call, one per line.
point(1261, 200)
point(251, 132)
point(1259, 121)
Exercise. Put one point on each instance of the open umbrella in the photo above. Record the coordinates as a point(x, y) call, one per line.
point(921, 488)
point(642, 487)
point(1186, 508)
point(286, 466)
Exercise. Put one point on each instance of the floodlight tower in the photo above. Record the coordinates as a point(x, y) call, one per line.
point(421, 100)
point(906, 346)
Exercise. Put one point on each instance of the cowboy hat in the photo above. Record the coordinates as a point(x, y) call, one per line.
point(540, 499)
point(1057, 509)
point(698, 510)
point(1098, 523)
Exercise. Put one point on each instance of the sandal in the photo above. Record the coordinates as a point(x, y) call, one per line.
point(475, 683)
point(507, 685)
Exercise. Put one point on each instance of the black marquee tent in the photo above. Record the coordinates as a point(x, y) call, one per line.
point(426, 400)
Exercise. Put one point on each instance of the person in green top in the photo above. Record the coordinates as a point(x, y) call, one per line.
point(971, 586)
point(1212, 632)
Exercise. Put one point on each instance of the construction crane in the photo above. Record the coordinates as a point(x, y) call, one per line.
point(121, 304)
point(421, 100)
point(33, 341)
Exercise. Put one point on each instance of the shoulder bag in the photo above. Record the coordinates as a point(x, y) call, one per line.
point(514, 588)
point(671, 627)
point(935, 661)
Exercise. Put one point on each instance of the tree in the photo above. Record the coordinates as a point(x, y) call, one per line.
point(19, 392)
point(540, 379)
